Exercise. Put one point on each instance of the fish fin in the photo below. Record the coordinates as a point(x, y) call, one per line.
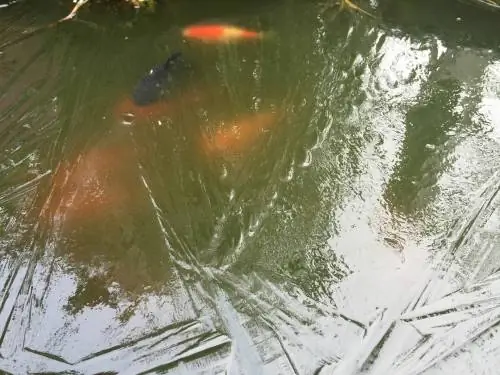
point(172, 58)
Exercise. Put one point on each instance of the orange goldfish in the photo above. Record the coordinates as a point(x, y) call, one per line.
point(240, 134)
point(215, 33)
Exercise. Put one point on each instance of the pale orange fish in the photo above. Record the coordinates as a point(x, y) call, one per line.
point(101, 181)
point(239, 135)
point(220, 33)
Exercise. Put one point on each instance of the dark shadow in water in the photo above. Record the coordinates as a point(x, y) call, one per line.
point(454, 22)
point(426, 147)
point(435, 125)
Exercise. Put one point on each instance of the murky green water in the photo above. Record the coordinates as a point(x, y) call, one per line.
point(362, 189)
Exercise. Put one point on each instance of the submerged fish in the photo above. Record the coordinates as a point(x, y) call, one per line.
point(240, 134)
point(98, 183)
point(127, 111)
point(217, 33)
point(153, 97)
point(156, 83)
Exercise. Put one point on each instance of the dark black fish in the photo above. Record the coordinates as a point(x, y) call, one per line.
point(157, 83)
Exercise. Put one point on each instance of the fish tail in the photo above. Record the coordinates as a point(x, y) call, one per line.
point(270, 34)
point(256, 34)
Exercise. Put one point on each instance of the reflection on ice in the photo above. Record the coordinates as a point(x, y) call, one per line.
point(354, 230)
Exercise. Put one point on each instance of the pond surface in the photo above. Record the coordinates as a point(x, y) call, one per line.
point(323, 200)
